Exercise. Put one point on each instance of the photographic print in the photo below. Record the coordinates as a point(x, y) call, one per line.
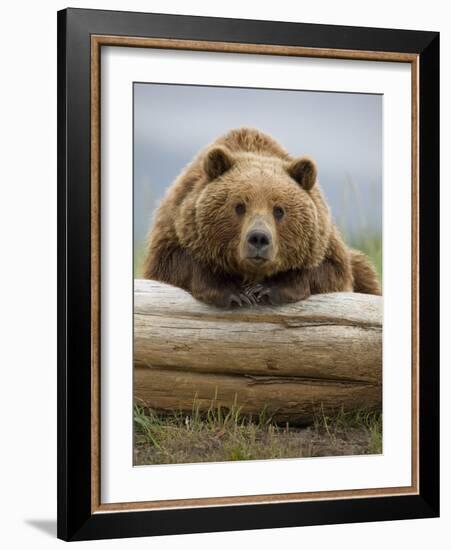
point(257, 234)
point(248, 274)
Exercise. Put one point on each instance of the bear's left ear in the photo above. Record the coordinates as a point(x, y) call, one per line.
point(217, 161)
point(303, 170)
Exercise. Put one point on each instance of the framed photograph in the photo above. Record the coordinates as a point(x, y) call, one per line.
point(248, 274)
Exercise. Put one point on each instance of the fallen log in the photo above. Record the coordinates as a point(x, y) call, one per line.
point(324, 353)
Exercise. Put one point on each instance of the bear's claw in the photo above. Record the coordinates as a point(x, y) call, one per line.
point(258, 292)
point(240, 299)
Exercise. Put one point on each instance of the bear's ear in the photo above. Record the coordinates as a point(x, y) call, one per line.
point(217, 161)
point(303, 170)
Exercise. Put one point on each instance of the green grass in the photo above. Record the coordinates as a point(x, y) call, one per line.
point(371, 245)
point(139, 252)
point(226, 435)
point(364, 237)
point(368, 423)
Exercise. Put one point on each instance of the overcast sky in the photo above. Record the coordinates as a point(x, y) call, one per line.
point(341, 131)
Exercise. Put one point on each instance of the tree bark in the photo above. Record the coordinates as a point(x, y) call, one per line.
point(322, 354)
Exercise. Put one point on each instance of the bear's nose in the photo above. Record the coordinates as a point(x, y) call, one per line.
point(259, 239)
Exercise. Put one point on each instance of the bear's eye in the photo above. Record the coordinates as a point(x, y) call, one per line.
point(278, 212)
point(240, 208)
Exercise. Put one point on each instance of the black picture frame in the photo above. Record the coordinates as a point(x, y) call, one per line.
point(75, 518)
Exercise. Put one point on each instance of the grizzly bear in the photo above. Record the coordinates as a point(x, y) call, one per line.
point(245, 223)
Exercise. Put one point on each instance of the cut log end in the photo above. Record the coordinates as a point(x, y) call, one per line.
point(324, 353)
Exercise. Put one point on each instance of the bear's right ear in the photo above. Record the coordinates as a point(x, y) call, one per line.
point(304, 171)
point(217, 161)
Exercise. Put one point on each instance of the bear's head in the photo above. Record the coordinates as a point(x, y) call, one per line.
point(255, 215)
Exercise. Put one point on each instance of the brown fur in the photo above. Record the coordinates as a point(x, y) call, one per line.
point(245, 183)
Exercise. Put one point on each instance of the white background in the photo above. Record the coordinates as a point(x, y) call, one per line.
point(28, 274)
point(120, 482)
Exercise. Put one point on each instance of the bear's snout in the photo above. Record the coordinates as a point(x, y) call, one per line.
point(258, 243)
point(258, 240)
